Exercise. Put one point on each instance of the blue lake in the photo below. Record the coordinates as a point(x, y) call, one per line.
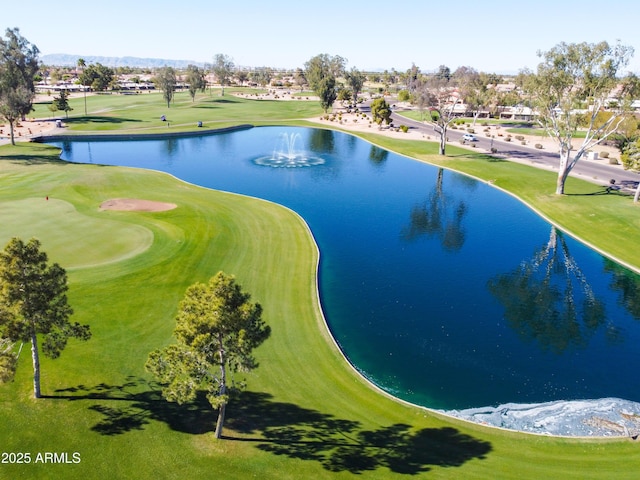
point(440, 289)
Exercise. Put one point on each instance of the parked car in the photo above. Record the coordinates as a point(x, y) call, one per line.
point(469, 137)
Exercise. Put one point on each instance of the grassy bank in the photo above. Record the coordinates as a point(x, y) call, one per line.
point(305, 413)
point(142, 113)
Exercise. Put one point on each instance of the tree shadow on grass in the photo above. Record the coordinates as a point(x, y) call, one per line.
point(28, 153)
point(601, 191)
point(284, 429)
point(478, 156)
point(98, 119)
point(621, 188)
point(29, 160)
point(130, 406)
point(344, 445)
point(207, 102)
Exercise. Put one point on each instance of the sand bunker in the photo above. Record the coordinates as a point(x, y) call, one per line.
point(136, 205)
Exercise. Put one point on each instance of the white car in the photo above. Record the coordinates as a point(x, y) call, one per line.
point(469, 137)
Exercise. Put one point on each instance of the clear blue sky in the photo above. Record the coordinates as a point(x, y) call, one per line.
point(492, 36)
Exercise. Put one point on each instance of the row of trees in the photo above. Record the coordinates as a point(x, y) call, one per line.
point(217, 328)
point(576, 87)
point(322, 73)
point(166, 78)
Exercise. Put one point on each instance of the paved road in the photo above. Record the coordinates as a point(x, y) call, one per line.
point(596, 171)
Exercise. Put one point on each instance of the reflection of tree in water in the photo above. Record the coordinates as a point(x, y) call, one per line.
point(627, 284)
point(439, 216)
point(322, 141)
point(67, 147)
point(171, 146)
point(378, 156)
point(548, 299)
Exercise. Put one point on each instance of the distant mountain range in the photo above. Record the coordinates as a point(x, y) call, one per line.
point(67, 60)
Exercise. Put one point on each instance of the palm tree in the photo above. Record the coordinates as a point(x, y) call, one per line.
point(82, 64)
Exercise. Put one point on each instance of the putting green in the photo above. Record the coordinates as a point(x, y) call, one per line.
point(96, 241)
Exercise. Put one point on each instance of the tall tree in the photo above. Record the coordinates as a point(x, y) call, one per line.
point(196, 79)
point(98, 77)
point(473, 92)
point(166, 81)
point(262, 76)
point(82, 64)
point(321, 73)
point(33, 302)
point(355, 79)
point(223, 69)
point(326, 90)
point(412, 78)
point(299, 78)
point(442, 101)
point(580, 76)
point(217, 329)
point(443, 73)
point(18, 67)
point(62, 103)
point(242, 76)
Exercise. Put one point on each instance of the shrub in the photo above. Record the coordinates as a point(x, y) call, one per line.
point(523, 142)
point(470, 130)
point(613, 161)
point(538, 145)
point(604, 154)
point(520, 137)
point(404, 95)
point(507, 139)
point(404, 128)
point(494, 150)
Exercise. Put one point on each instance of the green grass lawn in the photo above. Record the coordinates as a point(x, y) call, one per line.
point(539, 132)
point(141, 113)
point(305, 413)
